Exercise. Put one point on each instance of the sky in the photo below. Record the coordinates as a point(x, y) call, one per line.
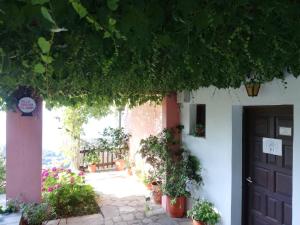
point(53, 137)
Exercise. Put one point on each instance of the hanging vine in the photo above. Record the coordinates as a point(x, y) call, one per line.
point(101, 52)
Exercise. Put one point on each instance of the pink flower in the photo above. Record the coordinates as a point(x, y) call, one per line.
point(50, 189)
point(46, 174)
point(69, 171)
point(81, 173)
point(54, 169)
point(56, 186)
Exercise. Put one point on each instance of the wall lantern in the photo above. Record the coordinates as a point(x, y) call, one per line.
point(252, 89)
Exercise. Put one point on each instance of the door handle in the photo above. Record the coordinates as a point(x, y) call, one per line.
point(249, 180)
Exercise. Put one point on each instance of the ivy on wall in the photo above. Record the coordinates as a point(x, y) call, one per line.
point(100, 52)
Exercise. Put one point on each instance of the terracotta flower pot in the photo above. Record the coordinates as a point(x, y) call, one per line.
point(156, 191)
point(92, 168)
point(156, 186)
point(157, 195)
point(176, 210)
point(120, 164)
point(149, 186)
point(195, 222)
point(129, 171)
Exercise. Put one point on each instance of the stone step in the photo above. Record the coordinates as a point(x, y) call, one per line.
point(10, 219)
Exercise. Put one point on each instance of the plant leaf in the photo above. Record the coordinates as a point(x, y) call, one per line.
point(47, 15)
point(79, 8)
point(112, 4)
point(39, 68)
point(112, 21)
point(39, 2)
point(58, 30)
point(106, 34)
point(47, 59)
point(44, 45)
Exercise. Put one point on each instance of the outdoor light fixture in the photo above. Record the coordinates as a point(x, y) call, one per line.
point(252, 89)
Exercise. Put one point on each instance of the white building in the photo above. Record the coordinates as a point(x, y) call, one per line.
point(243, 182)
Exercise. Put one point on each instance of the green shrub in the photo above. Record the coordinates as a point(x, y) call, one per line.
point(36, 214)
point(92, 157)
point(115, 140)
point(2, 175)
point(67, 193)
point(204, 211)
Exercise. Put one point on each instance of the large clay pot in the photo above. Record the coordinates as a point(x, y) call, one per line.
point(157, 196)
point(92, 168)
point(156, 191)
point(156, 185)
point(120, 164)
point(129, 171)
point(195, 222)
point(149, 186)
point(176, 210)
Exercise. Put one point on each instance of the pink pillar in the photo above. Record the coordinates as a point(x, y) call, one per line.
point(24, 155)
point(170, 111)
point(170, 119)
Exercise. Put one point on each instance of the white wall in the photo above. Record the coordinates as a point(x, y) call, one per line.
point(220, 151)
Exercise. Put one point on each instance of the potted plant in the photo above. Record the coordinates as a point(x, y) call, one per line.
point(117, 142)
point(92, 159)
point(172, 168)
point(147, 180)
point(199, 130)
point(154, 151)
point(174, 187)
point(156, 187)
point(204, 213)
point(129, 164)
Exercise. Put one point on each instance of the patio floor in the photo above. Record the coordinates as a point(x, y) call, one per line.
point(123, 203)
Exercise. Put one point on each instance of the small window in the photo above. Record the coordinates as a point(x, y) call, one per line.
point(198, 117)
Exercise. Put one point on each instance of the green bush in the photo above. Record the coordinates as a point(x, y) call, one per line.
point(2, 175)
point(92, 157)
point(67, 193)
point(36, 214)
point(115, 140)
point(204, 211)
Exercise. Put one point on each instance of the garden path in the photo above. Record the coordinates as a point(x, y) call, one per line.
point(123, 203)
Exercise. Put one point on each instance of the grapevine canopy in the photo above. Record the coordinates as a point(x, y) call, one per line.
point(99, 52)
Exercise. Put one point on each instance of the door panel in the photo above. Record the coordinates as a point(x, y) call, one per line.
point(268, 189)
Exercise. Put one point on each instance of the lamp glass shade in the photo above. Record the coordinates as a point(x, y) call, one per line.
point(252, 89)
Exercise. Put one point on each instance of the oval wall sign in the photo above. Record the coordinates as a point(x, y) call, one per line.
point(27, 105)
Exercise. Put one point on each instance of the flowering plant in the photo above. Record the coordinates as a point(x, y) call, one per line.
point(67, 193)
point(53, 179)
point(204, 211)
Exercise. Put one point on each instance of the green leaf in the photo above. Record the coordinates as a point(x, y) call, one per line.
point(47, 59)
point(112, 21)
point(47, 15)
point(106, 34)
point(79, 8)
point(44, 45)
point(58, 30)
point(39, 2)
point(39, 68)
point(112, 4)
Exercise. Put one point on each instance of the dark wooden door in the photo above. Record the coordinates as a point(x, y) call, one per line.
point(268, 178)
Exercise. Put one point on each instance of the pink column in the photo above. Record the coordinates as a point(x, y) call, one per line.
point(171, 111)
point(170, 119)
point(24, 155)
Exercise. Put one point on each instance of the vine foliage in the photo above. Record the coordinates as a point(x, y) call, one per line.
point(100, 52)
